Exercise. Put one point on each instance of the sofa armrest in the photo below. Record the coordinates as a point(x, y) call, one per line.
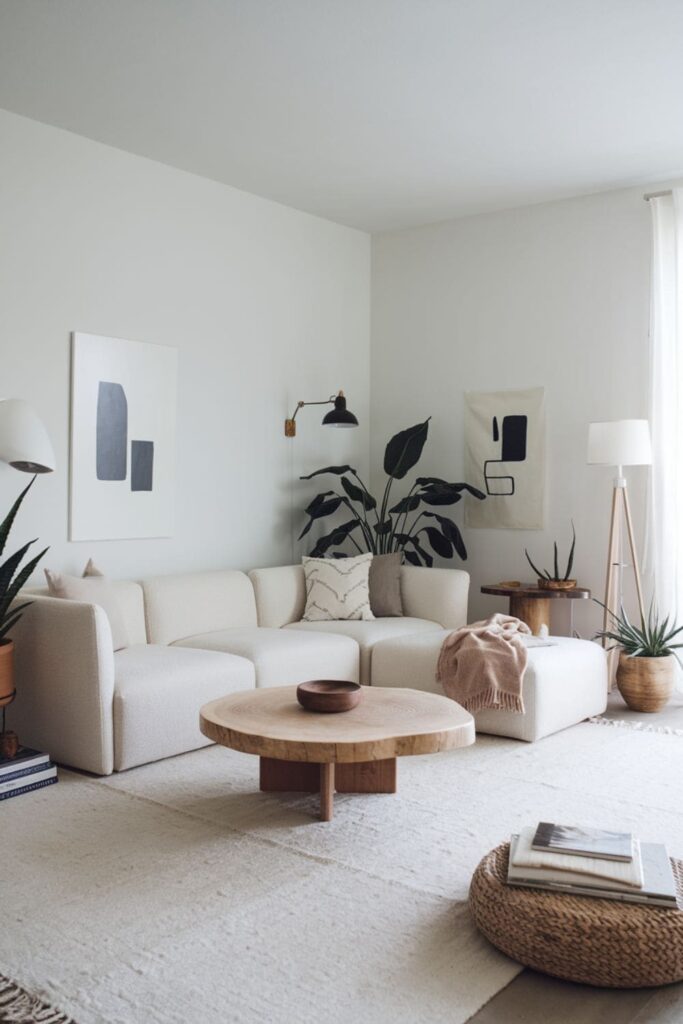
point(280, 595)
point(64, 671)
point(439, 595)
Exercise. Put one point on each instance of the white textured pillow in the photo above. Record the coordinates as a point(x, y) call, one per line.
point(93, 588)
point(337, 588)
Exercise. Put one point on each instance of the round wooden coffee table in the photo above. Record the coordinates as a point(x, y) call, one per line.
point(353, 752)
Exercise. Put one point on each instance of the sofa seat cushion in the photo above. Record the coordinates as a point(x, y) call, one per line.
point(563, 684)
point(281, 658)
point(367, 634)
point(158, 692)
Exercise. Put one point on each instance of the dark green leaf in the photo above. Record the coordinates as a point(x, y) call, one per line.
point(570, 560)
point(441, 544)
point(359, 494)
point(436, 483)
point(413, 558)
point(334, 538)
point(382, 528)
point(408, 504)
point(317, 502)
point(539, 572)
point(450, 531)
point(424, 555)
point(337, 470)
point(404, 450)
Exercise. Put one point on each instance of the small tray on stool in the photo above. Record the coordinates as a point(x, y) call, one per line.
point(328, 696)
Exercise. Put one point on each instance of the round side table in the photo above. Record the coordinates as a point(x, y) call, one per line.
point(531, 604)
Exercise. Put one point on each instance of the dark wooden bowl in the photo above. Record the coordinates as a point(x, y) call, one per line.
point(328, 695)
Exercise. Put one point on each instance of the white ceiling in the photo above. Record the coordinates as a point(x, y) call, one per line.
point(375, 113)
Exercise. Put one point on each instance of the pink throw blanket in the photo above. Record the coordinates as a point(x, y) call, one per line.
point(482, 665)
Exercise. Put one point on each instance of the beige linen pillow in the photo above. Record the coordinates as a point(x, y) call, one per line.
point(337, 588)
point(93, 588)
point(385, 585)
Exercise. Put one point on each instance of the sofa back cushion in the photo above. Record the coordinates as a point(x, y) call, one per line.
point(439, 595)
point(131, 605)
point(280, 594)
point(199, 602)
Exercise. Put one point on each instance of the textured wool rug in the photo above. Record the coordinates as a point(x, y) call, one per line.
point(177, 892)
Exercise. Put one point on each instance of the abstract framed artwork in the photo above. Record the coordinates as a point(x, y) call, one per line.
point(505, 458)
point(123, 413)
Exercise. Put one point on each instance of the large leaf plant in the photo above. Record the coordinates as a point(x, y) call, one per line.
point(375, 526)
point(12, 575)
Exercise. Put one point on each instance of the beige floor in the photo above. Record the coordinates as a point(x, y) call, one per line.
point(535, 999)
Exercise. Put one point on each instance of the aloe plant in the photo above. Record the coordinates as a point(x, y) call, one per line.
point(376, 527)
point(651, 639)
point(12, 575)
point(555, 575)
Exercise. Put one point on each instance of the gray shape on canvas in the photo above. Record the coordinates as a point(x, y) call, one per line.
point(112, 432)
point(141, 465)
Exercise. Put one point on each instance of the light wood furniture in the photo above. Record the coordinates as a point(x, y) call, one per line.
point(531, 604)
point(621, 512)
point(579, 938)
point(354, 752)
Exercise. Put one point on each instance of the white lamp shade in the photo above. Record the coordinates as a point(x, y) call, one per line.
point(619, 443)
point(24, 441)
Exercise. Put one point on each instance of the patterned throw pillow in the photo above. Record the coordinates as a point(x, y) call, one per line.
point(337, 588)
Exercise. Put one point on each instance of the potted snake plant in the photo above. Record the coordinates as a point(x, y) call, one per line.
point(647, 657)
point(12, 578)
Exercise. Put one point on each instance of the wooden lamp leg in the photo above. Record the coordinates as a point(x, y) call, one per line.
point(634, 556)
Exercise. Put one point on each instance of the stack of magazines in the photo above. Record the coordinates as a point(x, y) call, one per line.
point(592, 862)
point(28, 771)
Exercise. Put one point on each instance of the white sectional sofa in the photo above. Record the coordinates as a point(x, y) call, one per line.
point(193, 637)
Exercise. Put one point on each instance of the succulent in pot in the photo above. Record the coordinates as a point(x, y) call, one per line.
point(12, 578)
point(647, 657)
point(555, 580)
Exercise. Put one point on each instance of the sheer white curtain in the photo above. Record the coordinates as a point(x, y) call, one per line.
point(664, 550)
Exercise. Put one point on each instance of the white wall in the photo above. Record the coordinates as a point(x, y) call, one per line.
point(266, 305)
point(554, 295)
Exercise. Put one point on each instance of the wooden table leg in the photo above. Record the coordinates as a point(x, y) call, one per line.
point(326, 791)
point(535, 611)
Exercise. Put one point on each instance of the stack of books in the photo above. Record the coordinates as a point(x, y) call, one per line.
point(29, 770)
point(592, 862)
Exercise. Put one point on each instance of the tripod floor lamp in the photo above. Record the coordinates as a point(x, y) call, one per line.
point(620, 443)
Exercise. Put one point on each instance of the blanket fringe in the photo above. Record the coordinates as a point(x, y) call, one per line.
point(621, 723)
point(494, 700)
point(19, 1007)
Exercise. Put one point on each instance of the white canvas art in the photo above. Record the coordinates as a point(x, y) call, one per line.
point(505, 458)
point(123, 412)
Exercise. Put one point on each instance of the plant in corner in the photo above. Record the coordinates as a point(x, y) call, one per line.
point(380, 529)
point(554, 580)
point(12, 579)
point(647, 656)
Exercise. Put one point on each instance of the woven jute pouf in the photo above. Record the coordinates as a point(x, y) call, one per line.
point(578, 938)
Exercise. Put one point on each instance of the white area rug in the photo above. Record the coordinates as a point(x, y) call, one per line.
point(177, 892)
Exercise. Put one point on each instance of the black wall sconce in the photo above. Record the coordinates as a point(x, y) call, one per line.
point(340, 416)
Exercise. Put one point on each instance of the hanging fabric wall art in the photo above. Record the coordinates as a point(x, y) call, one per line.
point(505, 458)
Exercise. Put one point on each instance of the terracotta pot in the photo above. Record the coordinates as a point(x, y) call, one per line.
point(646, 683)
point(556, 584)
point(6, 672)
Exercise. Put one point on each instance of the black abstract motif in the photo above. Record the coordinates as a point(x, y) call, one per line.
point(112, 432)
point(513, 449)
point(141, 465)
point(111, 447)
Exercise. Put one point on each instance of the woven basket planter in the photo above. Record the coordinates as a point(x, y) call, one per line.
point(592, 941)
point(646, 684)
